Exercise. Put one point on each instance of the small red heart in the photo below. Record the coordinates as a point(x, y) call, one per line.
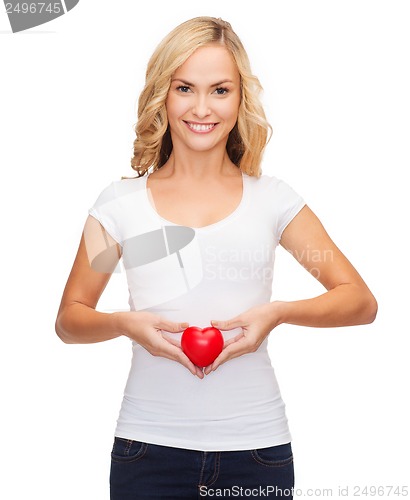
point(202, 345)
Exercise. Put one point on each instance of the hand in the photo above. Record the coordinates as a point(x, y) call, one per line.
point(146, 328)
point(256, 324)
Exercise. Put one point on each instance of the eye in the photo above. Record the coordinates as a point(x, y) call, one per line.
point(183, 88)
point(221, 91)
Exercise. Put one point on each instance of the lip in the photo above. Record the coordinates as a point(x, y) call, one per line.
point(199, 127)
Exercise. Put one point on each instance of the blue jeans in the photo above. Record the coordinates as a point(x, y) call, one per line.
point(142, 471)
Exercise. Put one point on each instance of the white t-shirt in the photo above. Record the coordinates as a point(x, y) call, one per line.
point(198, 275)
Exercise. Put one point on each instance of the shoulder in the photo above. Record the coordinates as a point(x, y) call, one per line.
point(127, 185)
point(268, 184)
point(276, 198)
point(118, 189)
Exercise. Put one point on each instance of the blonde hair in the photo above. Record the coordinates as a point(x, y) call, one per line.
point(251, 133)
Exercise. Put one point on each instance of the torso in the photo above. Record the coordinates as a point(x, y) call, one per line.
point(195, 203)
point(224, 270)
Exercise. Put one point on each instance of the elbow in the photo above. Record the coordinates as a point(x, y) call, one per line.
point(60, 331)
point(369, 309)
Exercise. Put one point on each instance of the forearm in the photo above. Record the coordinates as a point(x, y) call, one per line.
point(79, 324)
point(344, 305)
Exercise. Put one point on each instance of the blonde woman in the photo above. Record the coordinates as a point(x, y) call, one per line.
point(196, 231)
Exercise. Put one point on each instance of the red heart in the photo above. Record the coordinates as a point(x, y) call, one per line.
point(202, 345)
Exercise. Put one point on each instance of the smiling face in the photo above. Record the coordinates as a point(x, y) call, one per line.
point(203, 100)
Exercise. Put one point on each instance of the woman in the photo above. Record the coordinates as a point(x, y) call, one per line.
point(197, 237)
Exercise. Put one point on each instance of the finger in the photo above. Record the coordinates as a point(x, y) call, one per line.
point(198, 371)
point(171, 326)
point(194, 369)
point(171, 340)
point(233, 350)
point(229, 324)
point(233, 339)
point(175, 353)
point(208, 369)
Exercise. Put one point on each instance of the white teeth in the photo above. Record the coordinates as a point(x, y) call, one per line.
point(200, 128)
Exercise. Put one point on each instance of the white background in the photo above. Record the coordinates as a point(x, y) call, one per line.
point(336, 78)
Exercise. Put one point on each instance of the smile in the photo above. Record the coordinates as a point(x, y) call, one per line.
point(200, 127)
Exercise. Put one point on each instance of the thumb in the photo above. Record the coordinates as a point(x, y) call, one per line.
point(172, 327)
point(229, 324)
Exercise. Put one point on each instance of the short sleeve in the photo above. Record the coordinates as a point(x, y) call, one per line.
point(106, 211)
point(288, 204)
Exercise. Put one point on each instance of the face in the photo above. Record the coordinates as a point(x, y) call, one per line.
point(203, 100)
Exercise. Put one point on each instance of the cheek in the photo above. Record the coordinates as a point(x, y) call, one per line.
point(175, 107)
point(229, 111)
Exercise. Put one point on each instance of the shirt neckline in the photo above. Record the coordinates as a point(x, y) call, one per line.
point(208, 227)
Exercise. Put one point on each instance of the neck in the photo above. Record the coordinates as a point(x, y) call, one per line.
point(199, 165)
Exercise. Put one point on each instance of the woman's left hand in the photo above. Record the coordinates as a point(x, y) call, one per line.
point(256, 324)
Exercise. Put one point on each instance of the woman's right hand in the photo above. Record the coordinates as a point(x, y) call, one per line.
point(147, 328)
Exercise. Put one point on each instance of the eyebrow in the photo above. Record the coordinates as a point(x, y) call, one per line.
point(188, 84)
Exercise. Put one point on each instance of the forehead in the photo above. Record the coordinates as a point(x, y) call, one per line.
point(209, 62)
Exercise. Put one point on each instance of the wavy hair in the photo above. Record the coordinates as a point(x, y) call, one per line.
point(251, 133)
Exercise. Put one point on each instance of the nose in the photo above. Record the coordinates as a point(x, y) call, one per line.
point(201, 107)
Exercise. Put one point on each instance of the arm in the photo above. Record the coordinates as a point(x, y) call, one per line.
point(77, 320)
point(79, 323)
point(347, 301)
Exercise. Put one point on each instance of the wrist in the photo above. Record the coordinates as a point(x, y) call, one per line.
point(279, 311)
point(119, 323)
